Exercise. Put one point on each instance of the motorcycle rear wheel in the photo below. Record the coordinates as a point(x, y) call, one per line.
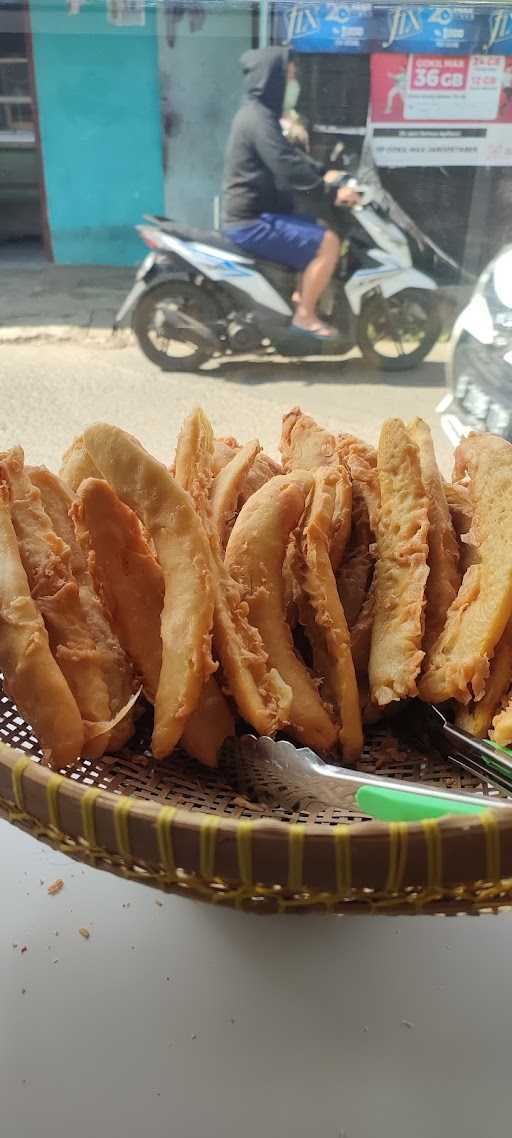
point(167, 353)
point(396, 333)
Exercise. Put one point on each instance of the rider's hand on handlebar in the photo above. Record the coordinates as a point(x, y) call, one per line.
point(347, 196)
point(332, 176)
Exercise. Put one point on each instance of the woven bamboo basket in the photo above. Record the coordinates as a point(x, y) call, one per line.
point(210, 835)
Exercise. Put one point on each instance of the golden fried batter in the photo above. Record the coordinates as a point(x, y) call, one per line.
point(254, 557)
point(307, 446)
point(209, 725)
point(476, 717)
point(227, 488)
point(458, 663)
point(361, 634)
point(401, 570)
point(131, 583)
point(262, 470)
point(501, 730)
point(128, 578)
point(260, 693)
point(211, 721)
point(77, 464)
point(459, 504)
point(46, 560)
point(461, 513)
point(361, 460)
point(194, 460)
point(356, 570)
point(31, 675)
point(182, 549)
point(443, 552)
point(59, 502)
point(224, 449)
point(340, 519)
point(328, 630)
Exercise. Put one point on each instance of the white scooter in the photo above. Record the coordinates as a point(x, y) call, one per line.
point(198, 297)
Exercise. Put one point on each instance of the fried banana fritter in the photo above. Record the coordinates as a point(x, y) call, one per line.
point(77, 464)
point(402, 569)
point(261, 695)
point(307, 446)
point(227, 489)
point(356, 570)
point(328, 630)
point(477, 716)
point(46, 560)
point(182, 549)
point(443, 552)
point(60, 503)
point(457, 665)
point(254, 557)
point(31, 675)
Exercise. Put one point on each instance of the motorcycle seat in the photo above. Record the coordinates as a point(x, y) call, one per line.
point(211, 237)
point(205, 236)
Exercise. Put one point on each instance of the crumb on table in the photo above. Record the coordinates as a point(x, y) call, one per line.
point(56, 886)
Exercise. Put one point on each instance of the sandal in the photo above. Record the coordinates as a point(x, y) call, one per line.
point(321, 332)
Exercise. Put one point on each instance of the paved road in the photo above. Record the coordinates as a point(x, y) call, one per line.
point(51, 391)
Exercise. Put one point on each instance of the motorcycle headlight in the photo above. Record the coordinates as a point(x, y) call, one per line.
point(477, 319)
point(502, 279)
point(495, 283)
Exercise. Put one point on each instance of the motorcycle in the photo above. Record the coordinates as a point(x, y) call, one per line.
point(197, 297)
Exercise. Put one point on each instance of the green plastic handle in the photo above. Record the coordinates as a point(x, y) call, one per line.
point(406, 806)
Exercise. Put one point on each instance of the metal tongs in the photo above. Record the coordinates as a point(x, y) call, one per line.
point(293, 775)
point(481, 757)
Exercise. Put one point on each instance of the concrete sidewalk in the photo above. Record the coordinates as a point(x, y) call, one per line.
point(55, 302)
point(78, 303)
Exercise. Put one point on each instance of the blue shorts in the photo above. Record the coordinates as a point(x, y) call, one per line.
point(288, 240)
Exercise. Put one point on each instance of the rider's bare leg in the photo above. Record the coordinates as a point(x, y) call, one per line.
point(314, 279)
point(297, 295)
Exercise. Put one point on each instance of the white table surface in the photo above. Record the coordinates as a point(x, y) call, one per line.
point(179, 1020)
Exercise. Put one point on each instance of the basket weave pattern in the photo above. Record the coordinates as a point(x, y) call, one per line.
point(170, 826)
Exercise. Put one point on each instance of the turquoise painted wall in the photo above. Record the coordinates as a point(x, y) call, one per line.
point(99, 110)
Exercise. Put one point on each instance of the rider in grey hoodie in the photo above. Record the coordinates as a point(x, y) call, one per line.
point(263, 172)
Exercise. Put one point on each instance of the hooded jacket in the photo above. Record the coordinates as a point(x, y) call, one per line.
point(262, 171)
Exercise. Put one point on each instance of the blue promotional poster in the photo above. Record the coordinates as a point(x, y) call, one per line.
point(373, 27)
point(498, 31)
point(328, 27)
point(427, 28)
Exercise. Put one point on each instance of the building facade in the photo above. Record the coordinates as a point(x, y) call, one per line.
point(110, 109)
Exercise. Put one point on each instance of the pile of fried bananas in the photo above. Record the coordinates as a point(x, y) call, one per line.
point(304, 597)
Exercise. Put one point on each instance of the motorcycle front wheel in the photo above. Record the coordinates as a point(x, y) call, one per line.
point(397, 332)
point(156, 341)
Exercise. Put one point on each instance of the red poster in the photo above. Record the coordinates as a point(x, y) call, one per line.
point(441, 110)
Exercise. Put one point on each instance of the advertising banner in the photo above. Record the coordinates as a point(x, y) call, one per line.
point(497, 35)
point(429, 27)
point(374, 27)
point(437, 110)
point(328, 27)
